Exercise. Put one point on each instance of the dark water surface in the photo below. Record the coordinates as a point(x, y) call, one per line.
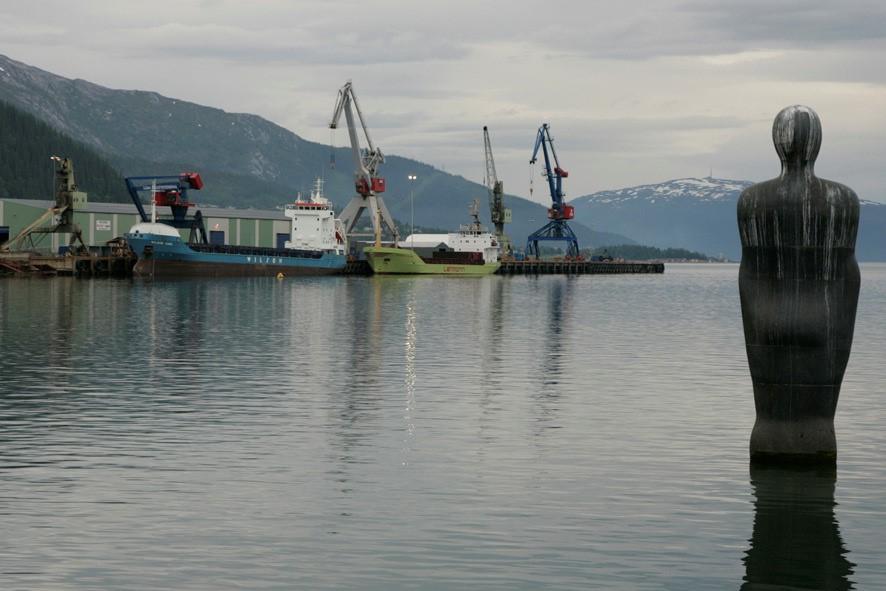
point(427, 433)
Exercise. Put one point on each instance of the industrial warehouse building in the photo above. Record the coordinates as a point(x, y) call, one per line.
point(100, 222)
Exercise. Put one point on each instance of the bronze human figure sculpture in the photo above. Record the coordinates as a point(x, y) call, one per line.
point(798, 284)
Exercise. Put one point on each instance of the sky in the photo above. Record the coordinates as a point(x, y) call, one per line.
point(635, 91)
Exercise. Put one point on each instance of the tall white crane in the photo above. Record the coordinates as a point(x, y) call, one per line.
point(366, 163)
point(499, 214)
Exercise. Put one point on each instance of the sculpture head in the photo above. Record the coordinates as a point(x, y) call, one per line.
point(796, 134)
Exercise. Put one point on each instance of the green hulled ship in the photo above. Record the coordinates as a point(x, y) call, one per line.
point(405, 261)
point(470, 252)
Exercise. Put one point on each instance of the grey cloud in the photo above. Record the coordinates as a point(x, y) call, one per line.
point(726, 26)
point(619, 82)
point(792, 23)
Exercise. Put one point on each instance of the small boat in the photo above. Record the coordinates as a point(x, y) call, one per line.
point(472, 251)
point(316, 247)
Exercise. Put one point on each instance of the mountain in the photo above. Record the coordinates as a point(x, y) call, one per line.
point(699, 215)
point(245, 161)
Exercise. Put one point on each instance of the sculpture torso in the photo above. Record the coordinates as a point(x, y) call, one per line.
point(798, 281)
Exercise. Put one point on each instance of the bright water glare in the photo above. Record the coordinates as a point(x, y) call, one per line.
point(417, 433)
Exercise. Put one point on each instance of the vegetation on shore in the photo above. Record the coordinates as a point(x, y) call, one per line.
point(638, 252)
point(26, 171)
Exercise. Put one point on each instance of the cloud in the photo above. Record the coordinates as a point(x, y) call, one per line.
point(791, 23)
point(635, 91)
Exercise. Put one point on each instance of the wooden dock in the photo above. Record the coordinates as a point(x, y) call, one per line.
point(85, 265)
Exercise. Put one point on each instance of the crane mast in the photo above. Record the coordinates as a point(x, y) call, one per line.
point(557, 229)
point(366, 163)
point(499, 214)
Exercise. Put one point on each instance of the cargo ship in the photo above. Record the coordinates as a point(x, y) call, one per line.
point(472, 251)
point(316, 247)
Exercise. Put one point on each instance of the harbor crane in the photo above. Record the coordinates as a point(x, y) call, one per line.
point(557, 229)
point(172, 191)
point(57, 219)
point(499, 214)
point(366, 163)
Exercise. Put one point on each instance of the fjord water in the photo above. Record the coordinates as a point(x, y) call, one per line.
point(428, 433)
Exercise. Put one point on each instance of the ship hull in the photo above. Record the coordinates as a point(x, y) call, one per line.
point(403, 261)
point(160, 255)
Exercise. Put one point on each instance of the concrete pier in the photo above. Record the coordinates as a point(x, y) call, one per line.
point(577, 268)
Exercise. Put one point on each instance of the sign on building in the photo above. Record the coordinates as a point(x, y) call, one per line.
point(103, 225)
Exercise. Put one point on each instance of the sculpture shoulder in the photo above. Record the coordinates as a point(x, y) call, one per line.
point(778, 191)
point(759, 193)
point(838, 194)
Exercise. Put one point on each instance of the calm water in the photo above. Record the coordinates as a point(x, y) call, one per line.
point(432, 433)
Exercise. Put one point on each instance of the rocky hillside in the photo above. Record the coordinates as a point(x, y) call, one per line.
point(245, 160)
point(700, 215)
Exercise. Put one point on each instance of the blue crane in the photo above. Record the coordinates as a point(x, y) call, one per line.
point(172, 191)
point(557, 229)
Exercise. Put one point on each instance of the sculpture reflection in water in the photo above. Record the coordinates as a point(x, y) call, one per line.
point(796, 542)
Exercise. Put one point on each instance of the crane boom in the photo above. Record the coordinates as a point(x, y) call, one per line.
point(366, 161)
point(555, 176)
point(491, 176)
point(559, 212)
point(366, 164)
point(499, 214)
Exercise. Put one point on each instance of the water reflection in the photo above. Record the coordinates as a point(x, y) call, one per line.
point(559, 318)
point(796, 542)
point(409, 347)
point(492, 314)
point(360, 398)
point(553, 351)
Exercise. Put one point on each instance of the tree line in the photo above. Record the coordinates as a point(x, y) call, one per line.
point(26, 172)
point(638, 252)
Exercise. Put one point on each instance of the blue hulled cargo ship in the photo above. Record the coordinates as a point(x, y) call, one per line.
point(316, 246)
point(161, 251)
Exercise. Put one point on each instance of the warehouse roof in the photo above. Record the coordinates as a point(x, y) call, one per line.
point(129, 208)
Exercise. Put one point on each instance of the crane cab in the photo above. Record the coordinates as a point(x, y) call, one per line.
point(566, 212)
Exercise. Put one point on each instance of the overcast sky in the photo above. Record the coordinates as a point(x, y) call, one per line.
point(635, 92)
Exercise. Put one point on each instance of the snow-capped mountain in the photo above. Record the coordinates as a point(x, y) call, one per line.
point(708, 189)
point(699, 214)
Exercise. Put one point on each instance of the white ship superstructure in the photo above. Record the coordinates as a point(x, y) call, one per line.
point(472, 237)
point(314, 225)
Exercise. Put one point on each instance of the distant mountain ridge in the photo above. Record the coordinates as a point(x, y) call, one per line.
point(245, 160)
point(699, 214)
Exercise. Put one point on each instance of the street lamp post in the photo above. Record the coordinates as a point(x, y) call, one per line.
point(412, 178)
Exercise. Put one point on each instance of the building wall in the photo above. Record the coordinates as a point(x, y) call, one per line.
point(248, 232)
point(221, 225)
point(99, 227)
point(266, 232)
point(18, 216)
